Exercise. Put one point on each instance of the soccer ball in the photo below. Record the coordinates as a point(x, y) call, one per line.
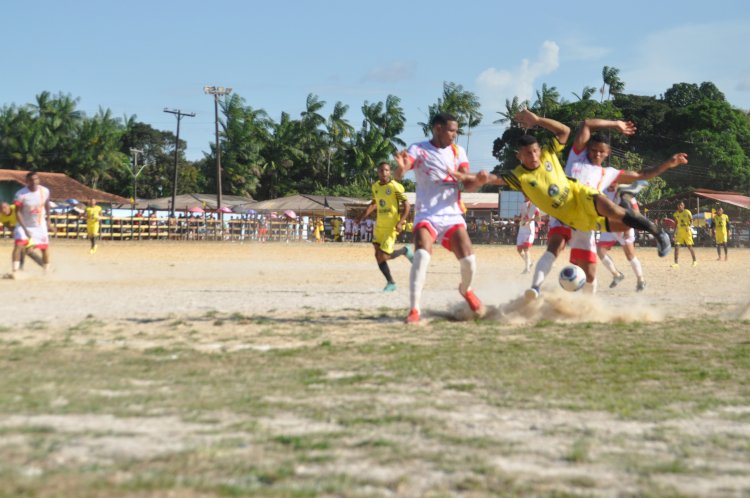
point(572, 278)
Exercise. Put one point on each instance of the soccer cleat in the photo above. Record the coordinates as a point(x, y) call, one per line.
point(474, 303)
point(390, 287)
point(532, 293)
point(409, 254)
point(641, 286)
point(413, 317)
point(675, 265)
point(695, 263)
point(632, 188)
point(616, 280)
point(663, 245)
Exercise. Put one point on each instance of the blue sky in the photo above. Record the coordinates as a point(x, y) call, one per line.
point(138, 57)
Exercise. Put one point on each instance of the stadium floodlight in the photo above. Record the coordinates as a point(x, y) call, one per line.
point(217, 91)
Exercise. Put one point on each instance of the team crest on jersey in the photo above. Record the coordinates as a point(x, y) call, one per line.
point(553, 190)
point(388, 191)
point(548, 166)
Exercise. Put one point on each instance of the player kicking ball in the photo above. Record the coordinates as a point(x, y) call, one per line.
point(542, 179)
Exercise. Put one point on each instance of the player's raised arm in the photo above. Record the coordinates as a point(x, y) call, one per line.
point(627, 128)
point(529, 120)
point(645, 174)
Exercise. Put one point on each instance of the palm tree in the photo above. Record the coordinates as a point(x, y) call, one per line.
point(338, 131)
point(463, 104)
point(586, 93)
point(547, 100)
point(512, 107)
point(612, 82)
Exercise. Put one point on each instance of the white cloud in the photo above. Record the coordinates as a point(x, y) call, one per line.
point(392, 73)
point(691, 53)
point(497, 85)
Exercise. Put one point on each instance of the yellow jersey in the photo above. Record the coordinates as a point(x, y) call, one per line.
point(93, 214)
point(387, 198)
point(9, 220)
point(683, 220)
point(556, 194)
point(720, 223)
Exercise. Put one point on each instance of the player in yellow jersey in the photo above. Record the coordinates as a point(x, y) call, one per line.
point(541, 177)
point(683, 235)
point(721, 232)
point(93, 214)
point(393, 210)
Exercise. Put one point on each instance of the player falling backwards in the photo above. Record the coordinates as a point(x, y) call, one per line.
point(541, 177)
point(585, 164)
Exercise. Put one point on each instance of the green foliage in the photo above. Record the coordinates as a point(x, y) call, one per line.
point(462, 104)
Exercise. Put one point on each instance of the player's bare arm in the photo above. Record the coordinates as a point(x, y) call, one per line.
point(370, 209)
point(626, 128)
point(404, 163)
point(645, 174)
point(528, 120)
point(404, 216)
point(471, 181)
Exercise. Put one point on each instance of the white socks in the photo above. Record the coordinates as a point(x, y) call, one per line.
point(636, 265)
point(468, 267)
point(417, 277)
point(590, 287)
point(543, 267)
point(610, 265)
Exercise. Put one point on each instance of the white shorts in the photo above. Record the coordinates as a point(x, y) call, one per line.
point(525, 237)
point(38, 234)
point(583, 246)
point(441, 228)
point(609, 239)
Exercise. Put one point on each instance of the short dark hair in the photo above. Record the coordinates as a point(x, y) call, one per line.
point(30, 174)
point(384, 162)
point(599, 138)
point(442, 118)
point(525, 140)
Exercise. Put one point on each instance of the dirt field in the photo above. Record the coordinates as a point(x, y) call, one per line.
point(246, 321)
point(147, 279)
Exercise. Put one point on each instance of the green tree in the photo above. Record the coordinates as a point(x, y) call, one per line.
point(462, 104)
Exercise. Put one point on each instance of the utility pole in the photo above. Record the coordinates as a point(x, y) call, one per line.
point(217, 91)
point(135, 172)
point(179, 115)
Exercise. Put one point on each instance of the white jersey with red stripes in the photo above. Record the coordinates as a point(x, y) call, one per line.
point(438, 192)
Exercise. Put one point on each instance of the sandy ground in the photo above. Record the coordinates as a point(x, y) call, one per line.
point(178, 284)
point(154, 279)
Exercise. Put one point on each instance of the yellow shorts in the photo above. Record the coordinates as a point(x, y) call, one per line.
point(386, 239)
point(721, 237)
point(580, 211)
point(683, 238)
point(92, 229)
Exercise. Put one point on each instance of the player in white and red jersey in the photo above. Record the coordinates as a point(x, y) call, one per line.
point(585, 165)
point(626, 239)
point(527, 225)
point(32, 213)
point(439, 211)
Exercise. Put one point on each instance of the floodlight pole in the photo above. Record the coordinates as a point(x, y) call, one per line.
point(217, 91)
point(179, 115)
point(135, 172)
